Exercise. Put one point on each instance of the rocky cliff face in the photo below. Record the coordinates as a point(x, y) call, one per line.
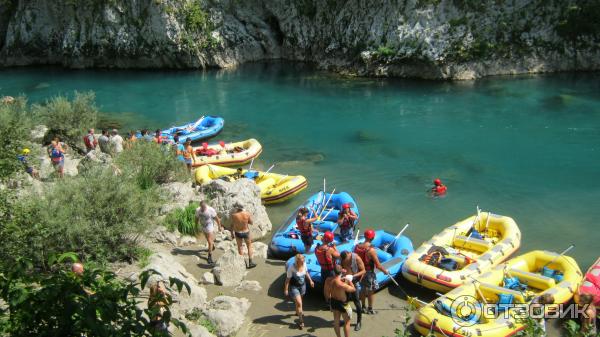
point(442, 39)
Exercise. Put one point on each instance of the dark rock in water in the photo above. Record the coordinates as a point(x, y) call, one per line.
point(557, 102)
point(363, 136)
point(116, 120)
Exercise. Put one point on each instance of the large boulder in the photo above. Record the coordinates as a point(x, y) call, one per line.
point(168, 266)
point(230, 268)
point(38, 133)
point(179, 194)
point(162, 235)
point(224, 196)
point(227, 313)
point(94, 158)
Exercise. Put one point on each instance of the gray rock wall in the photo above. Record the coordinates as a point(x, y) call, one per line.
point(458, 39)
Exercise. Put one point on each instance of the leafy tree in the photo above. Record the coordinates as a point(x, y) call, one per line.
point(15, 125)
point(63, 303)
point(68, 119)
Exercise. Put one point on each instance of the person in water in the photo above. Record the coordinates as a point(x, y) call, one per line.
point(327, 255)
point(346, 219)
point(24, 159)
point(208, 217)
point(438, 188)
point(56, 151)
point(241, 220)
point(355, 269)
point(305, 227)
point(335, 289)
point(369, 284)
point(188, 154)
point(295, 285)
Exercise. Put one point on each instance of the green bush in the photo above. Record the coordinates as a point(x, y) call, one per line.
point(183, 219)
point(148, 164)
point(98, 215)
point(385, 51)
point(62, 303)
point(15, 125)
point(68, 119)
point(195, 17)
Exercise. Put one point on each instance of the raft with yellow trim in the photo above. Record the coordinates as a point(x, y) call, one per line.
point(496, 303)
point(466, 249)
point(274, 188)
point(228, 154)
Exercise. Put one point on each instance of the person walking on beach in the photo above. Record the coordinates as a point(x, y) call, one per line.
point(207, 217)
point(335, 289)
point(188, 154)
point(241, 220)
point(103, 142)
point(116, 142)
point(355, 269)
point(346, 220)
point(295, 285)
point(90, 141)
point(56, 151)
point(305, 227)
point(327, 255)
point(369, 283)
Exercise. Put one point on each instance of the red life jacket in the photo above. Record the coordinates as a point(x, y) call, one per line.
point(88, 143)
point(158, 139)
point(305, 228)
point(326, 261)
point(347, 223)
point(361, 251)
point(441, 189)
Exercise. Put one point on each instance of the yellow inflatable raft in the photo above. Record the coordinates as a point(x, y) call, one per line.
point(228, 154)
point(464, 250)
point(274, 187)
point(496, 303)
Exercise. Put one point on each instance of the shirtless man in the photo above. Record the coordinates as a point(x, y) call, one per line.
point(240, 220)
point(335, 289)
point(354, 267)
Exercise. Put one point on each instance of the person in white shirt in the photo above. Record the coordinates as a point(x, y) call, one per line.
point(207, 217)
point(295, 285)
point(116, 142)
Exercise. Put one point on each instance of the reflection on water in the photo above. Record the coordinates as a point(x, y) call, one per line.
point(524, 146)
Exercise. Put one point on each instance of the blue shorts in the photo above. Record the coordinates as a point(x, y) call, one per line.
point(297, 291)
point(188, 161)
point(346, 234)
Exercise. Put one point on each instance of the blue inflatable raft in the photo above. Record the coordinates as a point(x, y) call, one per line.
point(392, 251)
point(286, 241)
point(205, 127)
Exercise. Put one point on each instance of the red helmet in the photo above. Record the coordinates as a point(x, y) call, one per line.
point(328, 237)
point(222, 143)
point(346, 205)
point(437, 182)
point(369, 234)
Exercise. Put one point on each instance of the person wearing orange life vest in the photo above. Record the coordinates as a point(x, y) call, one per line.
point(188, 154)
point(438, 188)
point(346, 220)
point(305, 227)
point(327, 255)
point(368, 283)
point(158, 139)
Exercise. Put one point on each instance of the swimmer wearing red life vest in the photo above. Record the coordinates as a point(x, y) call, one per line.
point(438, 188)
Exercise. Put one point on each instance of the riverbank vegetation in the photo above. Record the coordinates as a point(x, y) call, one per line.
point(98, 216)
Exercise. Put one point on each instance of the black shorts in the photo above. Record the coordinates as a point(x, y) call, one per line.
point(326, 273)
point(307, 240)
point(242, 235)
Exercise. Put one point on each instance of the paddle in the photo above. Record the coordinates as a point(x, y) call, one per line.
point(324, 185)
point(325, 217)
point(327, 203)
point(487, 221)
point(356, 238)
point(195, 125)
point(251, 162)
point(402, 231)
point(270, 168)
point(475, 282)
point(556, 258)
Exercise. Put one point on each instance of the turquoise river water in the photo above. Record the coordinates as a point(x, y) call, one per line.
point(526, 146)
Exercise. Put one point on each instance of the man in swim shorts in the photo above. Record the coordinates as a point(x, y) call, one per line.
point(335, 289)
point(207, 217)
point(241, 220)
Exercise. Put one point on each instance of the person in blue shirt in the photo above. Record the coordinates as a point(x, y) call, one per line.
point(24, 159)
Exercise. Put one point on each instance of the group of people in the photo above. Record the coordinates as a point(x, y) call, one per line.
point(108, 142)
point(206, 219)
point(348, 276)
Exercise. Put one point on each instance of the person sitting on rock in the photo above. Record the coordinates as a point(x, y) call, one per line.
point(207, 217)
point(241, 220)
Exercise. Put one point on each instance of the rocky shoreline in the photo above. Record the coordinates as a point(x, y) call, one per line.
point(432, 39)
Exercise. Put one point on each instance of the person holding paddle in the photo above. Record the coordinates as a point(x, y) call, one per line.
point(305, 227)
point(369, 283)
